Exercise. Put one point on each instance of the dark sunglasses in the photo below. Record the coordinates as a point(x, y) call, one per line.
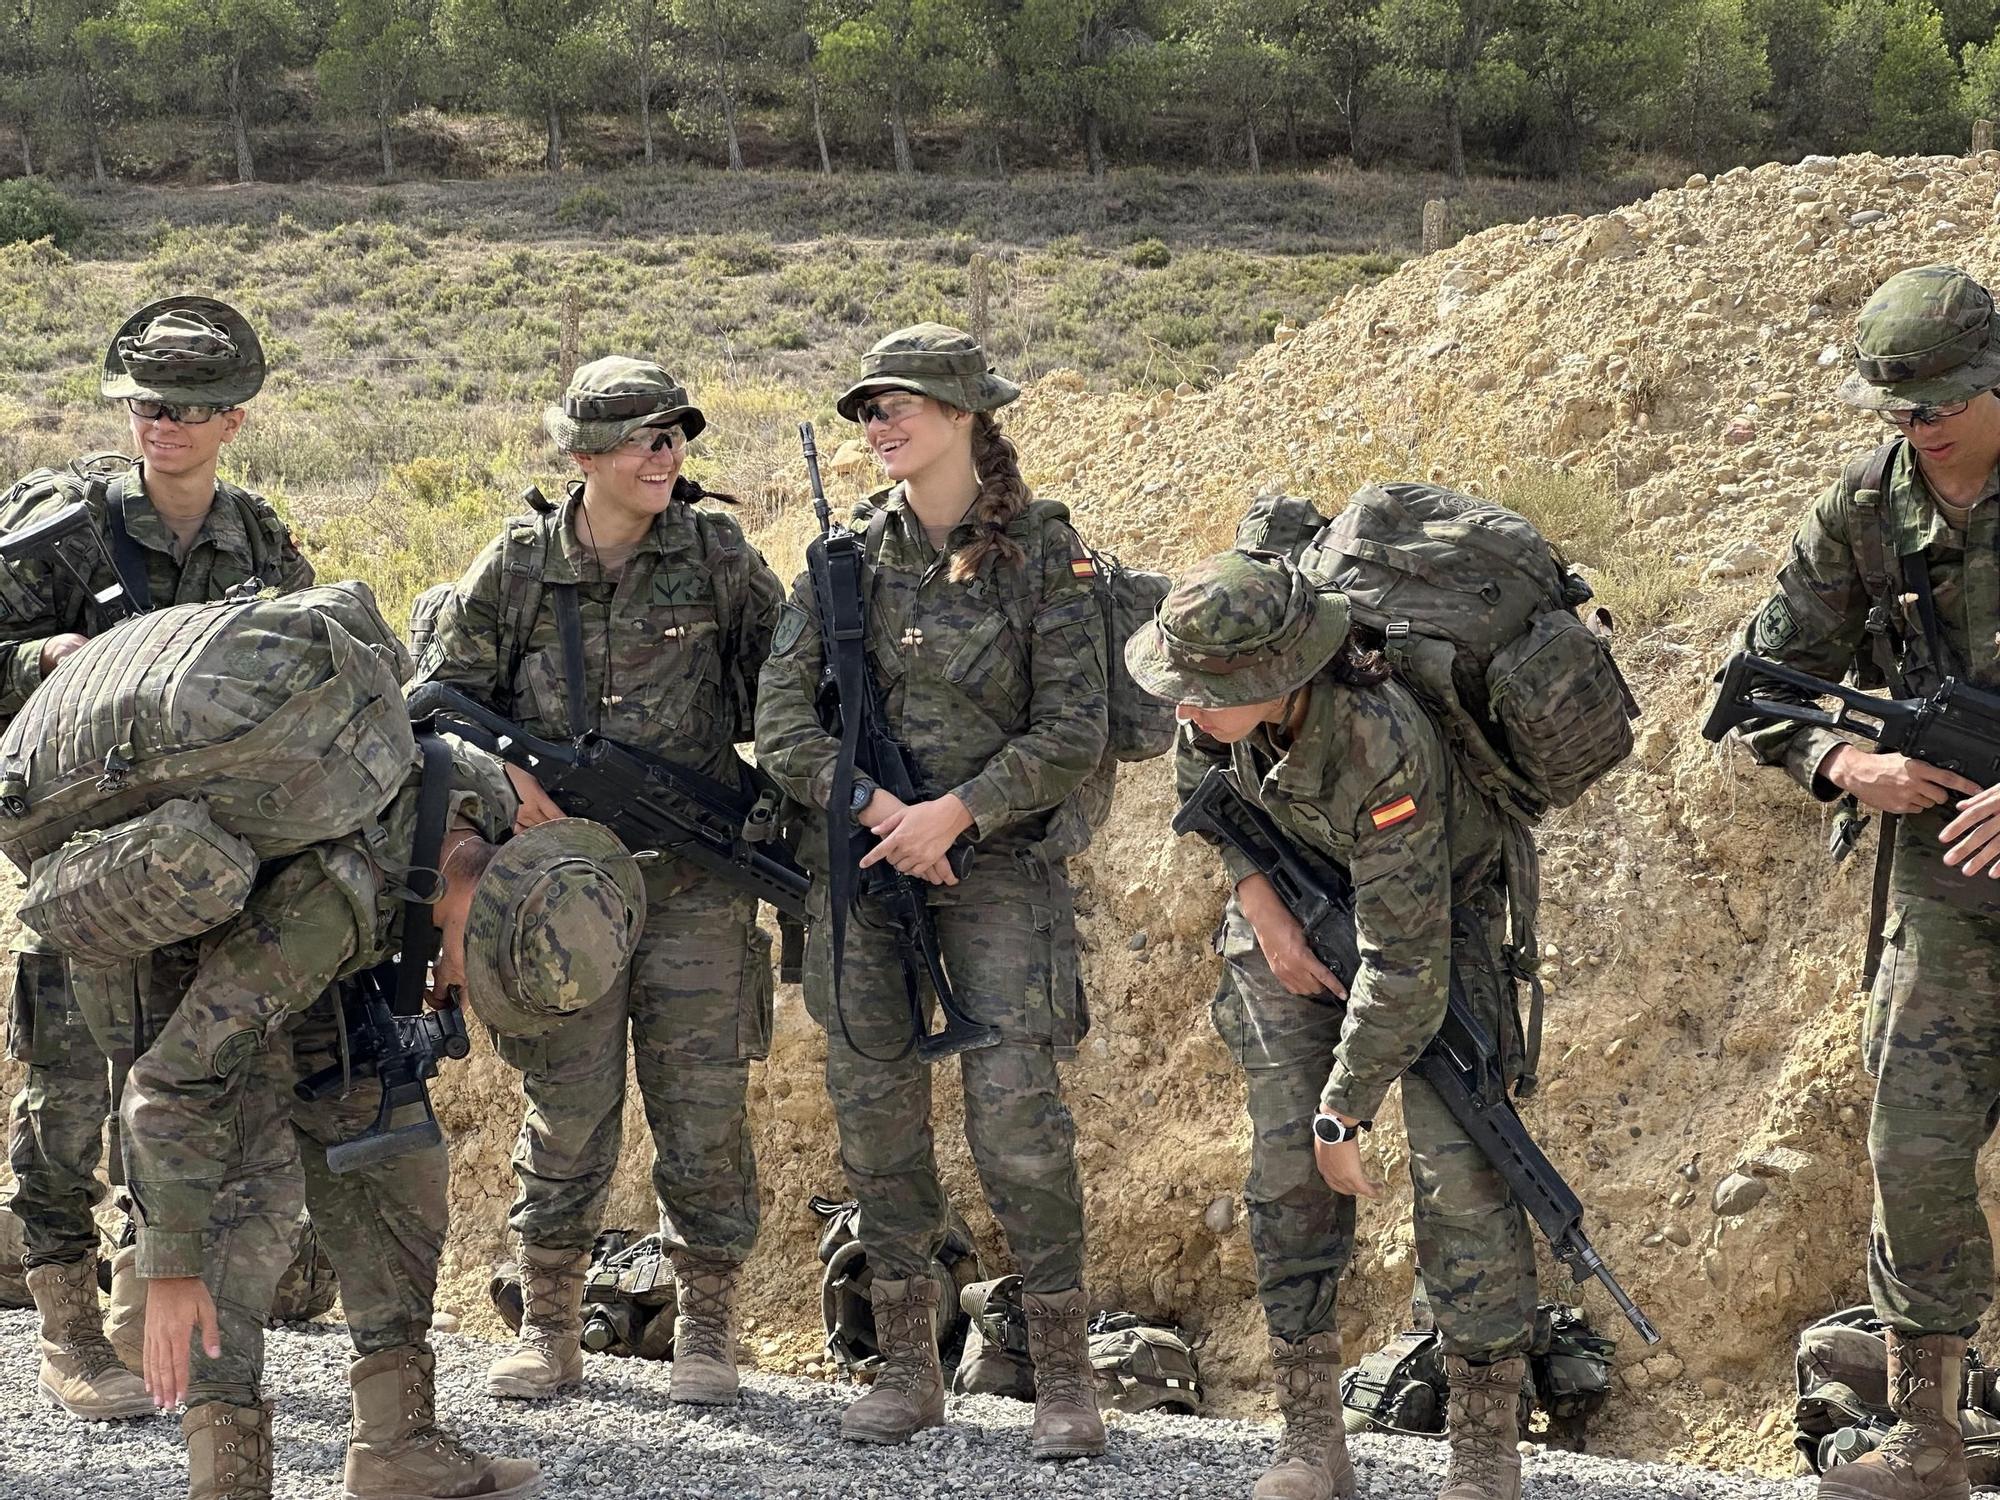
point(188, 415)
point(1924, 416)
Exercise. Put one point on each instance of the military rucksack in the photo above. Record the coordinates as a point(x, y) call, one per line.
point(147, 777)
point(424, 612)
point(995, 1361)
point(1479, 616)
point(628, 1296)
point(845, 1311)
point(1842, 1411)
point(1140, 1365)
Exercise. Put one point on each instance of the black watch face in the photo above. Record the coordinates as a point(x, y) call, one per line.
point(1329, 1130)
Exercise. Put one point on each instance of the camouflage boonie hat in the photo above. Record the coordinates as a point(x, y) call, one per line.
point(931, 360)
point(609, 399)
point(553, 922)
point(1927, 337)
point(1239, 628)
point(184, 350)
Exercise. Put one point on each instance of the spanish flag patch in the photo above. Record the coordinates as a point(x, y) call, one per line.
point(1083, 567)
point(1391, 813)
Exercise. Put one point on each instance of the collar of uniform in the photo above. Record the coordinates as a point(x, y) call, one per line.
point(1301, 772)
point(909, 524)
point(222, 526)
point(1915, 519)
point(571, 562)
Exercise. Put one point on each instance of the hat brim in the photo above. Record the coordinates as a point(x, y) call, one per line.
point(1962, 384)
point(1262, 682)
point(983, 392)
point(231, 390)
point(573, 436)
point(493, 898)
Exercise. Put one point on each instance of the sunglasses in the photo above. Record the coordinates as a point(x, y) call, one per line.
point(653, 439)
point(1924, 416)
point(890, 411)
point(187, 415)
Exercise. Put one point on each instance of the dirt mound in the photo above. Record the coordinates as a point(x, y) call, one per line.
point(1677, 359)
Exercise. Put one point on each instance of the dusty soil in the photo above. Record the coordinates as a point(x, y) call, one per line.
point(1683, 353)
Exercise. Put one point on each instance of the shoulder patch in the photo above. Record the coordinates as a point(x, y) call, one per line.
point(1389, 814)
point(790, 629)
point(1776, 626)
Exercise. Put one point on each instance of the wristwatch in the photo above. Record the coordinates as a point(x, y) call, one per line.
point(864, 792)
point(1333, 1131)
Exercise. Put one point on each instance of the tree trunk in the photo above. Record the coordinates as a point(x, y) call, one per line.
point(553, 160)
point(1454, 134)
point(246, 166)
point(646, 111)
point(1093, 144)
point(819, 130)
point(899, 134)
point(27, 149)
point(97, 171)
point(1250, 140)
point(722, 89)
point(999, 160)
point(388, 150)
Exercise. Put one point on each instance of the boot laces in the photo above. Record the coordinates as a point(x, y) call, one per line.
point(1062, 1362)
point(1476, 1447)
point(901, 1330)
point(420, 1407)
point(1307, 1407)
point(1912, 1444)
point(80, 1324)
point(701, 1328)
point(546, 1317)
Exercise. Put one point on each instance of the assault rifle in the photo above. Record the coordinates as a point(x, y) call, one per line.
point(1956, 729)
point(1460, 1063)
point(851, 706)
point(403, 1052)
point(649, 802)
point(70, 539)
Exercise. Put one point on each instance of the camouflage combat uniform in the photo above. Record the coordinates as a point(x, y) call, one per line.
point(1850, 595)
point(1365, 780)
point(664, 672)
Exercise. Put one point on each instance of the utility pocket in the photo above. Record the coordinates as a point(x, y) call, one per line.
point(41, 1012)
point(990, 666)
point(1562, 705)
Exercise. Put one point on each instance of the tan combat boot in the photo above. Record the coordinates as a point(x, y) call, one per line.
point(229, 1451)
point(125, 1321)
point(1484, 1429)
point(80, 1371)
point(549, 1356)
point(1066, 1421)
point(1923, 1457)
point(396, 1450)
point(908, 1394)
point(1311, 1462)
point(704, 1372)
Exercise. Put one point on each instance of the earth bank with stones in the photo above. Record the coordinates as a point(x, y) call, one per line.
point(1656, 386)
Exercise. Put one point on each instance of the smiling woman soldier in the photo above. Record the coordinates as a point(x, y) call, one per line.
point(987, 646)
point(667, 612)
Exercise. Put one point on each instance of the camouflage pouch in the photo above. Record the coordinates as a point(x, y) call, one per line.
point(118, 893)
point(1140, 1365)
point(424, 612)
point(995, 1361)
point(1399, 1388)
point(307, 1288)
point(846, 1312)
point(1570, 1366)
point(628, 1297)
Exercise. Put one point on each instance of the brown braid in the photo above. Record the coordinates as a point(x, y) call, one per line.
point(1002, 496)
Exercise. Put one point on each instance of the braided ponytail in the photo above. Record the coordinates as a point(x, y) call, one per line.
point(1003, 495)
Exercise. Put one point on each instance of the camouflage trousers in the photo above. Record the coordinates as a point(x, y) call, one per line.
point(1008, 934)
point(697, 1006)
point(55, 1124)
point(1474, 1250)
point(1932, 1045)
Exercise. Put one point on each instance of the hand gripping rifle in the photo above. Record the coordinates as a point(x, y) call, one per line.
point(391, 1033)
point(1460, 1063)
point(1957, 728)
point(850, 706)
point(649, 802)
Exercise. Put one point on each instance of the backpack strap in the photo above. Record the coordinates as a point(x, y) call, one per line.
point(126, 559)
point(722, 547)
point(420, 932)
point(569, 635)
point(524, 557)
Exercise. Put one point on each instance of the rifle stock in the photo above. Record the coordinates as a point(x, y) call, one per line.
point(1461, 1063)
point(71, 540)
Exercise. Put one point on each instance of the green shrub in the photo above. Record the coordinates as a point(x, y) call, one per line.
point(1150, 255)
point(588, 205)
point(31, 209)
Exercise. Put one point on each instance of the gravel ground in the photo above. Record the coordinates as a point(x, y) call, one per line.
point(620, 1439)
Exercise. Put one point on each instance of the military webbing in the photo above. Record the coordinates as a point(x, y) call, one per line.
point(126, 559)
point(569, 636)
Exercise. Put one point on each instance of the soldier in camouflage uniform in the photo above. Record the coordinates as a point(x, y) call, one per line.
point(674, 611)
point(1273, 686)
point(220, 1154)
point(987, 645)
point(183, 367)
point(1893, 573)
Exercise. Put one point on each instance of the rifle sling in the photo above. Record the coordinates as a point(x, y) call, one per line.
point(569, 637)
point(1878, 896)
point(845, 643)
point(127, 561)
point(420, 933)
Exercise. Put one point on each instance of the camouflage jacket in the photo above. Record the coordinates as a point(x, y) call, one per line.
point(1819, 619)
point(1368, 784)
point(332, 911)
point(996, 685)
point(241, 539)
point(671, 650)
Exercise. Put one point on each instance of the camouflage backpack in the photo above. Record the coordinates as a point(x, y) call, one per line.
point(995, 1361)
point(845, 1311)
point(424, 612)
point(1842, 1411)
point(1141, 1365)
point(628, 1296)
point(149, 775)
